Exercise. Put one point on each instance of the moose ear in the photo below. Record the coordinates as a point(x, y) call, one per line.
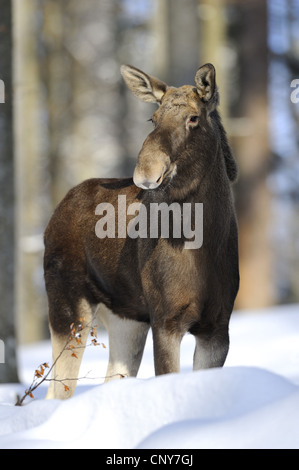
point(205, 82)
point(145, 87)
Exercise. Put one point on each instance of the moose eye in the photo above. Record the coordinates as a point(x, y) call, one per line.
point(193, 119)
point(192, 122)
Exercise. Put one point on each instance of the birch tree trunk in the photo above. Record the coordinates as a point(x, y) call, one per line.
point(30, 152)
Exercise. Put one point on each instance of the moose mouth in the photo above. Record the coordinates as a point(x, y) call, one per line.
point(168, 174)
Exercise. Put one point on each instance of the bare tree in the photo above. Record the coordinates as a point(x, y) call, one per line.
point(250, 138)
point(176, 27)
point(8, 370)
point(30, 150)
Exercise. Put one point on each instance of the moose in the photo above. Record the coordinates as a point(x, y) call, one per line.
point(135, 283)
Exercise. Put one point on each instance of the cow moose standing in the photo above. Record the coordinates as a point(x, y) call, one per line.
point(133, 283)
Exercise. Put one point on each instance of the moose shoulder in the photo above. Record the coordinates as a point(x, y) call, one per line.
point(150, 279)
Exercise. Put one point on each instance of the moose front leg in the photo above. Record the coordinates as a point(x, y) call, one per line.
point(166, 351)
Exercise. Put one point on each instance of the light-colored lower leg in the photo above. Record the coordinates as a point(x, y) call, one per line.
point(210, 352)
point(126, 344)
point(166, 352)
point(67, 353)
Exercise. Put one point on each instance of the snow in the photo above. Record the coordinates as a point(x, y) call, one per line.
point(251, 403)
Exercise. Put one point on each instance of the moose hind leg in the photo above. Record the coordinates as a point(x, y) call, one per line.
point(211, 349)
point(67, 353)
point(126, 344)
point(166, 351)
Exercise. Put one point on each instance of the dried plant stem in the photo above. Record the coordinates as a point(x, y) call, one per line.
point(43, 372)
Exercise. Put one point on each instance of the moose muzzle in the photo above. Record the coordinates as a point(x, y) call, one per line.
point(152, 166)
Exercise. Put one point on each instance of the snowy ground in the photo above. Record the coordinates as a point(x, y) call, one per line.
point(253, 402)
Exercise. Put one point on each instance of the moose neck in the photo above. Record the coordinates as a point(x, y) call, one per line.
point(196, 168)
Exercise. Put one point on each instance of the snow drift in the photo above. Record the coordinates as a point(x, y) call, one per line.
point(253, 402)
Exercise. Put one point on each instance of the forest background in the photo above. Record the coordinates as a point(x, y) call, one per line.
point(65, 116)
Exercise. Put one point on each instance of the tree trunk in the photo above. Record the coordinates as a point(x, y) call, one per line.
point(30, 150)
point(250, 139)
point(8, 369)
point(177, 41)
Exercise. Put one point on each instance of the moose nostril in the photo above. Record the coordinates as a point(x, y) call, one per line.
point(159, 180)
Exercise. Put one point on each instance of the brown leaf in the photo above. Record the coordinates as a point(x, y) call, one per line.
point(73, 332)
point(94, 333)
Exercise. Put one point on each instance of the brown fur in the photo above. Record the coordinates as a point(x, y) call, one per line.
point(156, 281)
